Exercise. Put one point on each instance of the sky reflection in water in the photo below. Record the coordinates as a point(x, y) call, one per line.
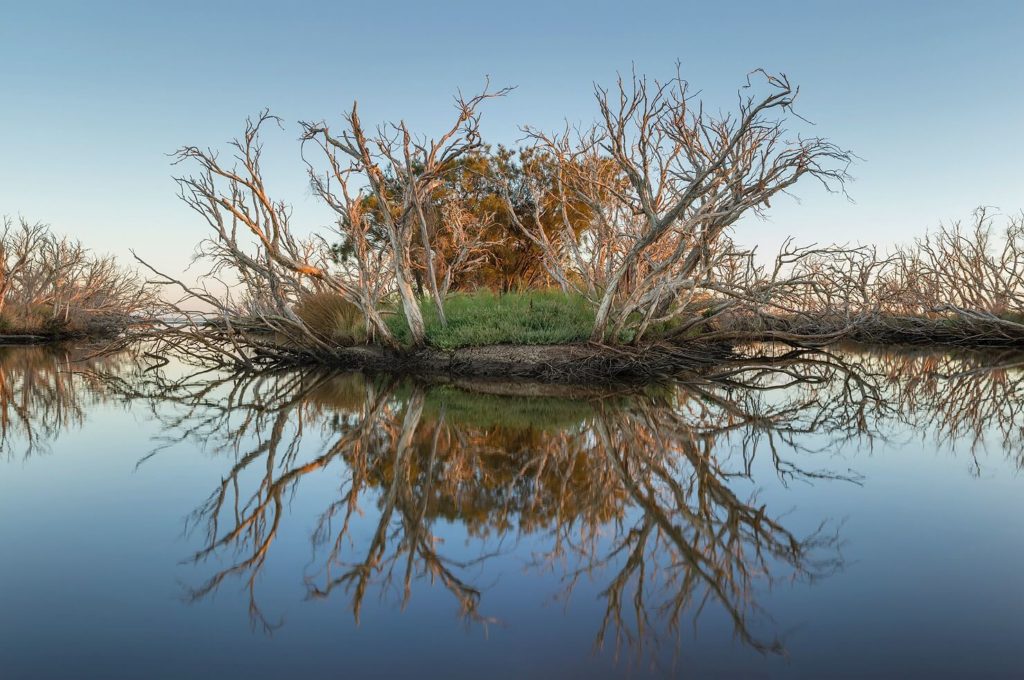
point(832, 514)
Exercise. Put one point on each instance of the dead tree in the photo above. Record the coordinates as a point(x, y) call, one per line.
point(666, 179)
point(17, 245)
point(253, 246)
point(401, 174)
point(54, 285)
point(961, 284)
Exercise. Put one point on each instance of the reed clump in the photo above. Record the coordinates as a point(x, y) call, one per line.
point(332, 318)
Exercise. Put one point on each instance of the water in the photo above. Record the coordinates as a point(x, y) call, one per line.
point(846, 515)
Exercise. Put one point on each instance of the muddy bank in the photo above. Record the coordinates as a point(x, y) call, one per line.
point(580, 363)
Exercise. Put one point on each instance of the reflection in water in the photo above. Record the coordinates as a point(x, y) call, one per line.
point(635, 487)
point(45, 391)
point(644, 490)
point(966, 396)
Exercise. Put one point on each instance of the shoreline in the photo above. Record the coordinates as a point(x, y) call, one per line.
point(40, 340)
point(573, 363)
point(568, 363)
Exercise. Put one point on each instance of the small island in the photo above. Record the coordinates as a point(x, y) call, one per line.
point(593, 254)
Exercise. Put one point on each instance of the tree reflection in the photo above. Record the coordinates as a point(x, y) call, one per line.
point(964, 396)
point(638, 488)
point(45, 391)
point(635, 487)
point(636, 484)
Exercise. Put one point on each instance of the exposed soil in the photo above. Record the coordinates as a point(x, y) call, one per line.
point(583, 363)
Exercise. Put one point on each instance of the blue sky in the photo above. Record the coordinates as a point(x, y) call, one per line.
point(94, 95)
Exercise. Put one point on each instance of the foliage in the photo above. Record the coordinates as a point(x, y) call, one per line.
point(476, 217)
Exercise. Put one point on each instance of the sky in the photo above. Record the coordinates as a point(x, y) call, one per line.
point(94, 96)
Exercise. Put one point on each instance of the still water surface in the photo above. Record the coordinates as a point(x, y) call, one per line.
point(852, 514)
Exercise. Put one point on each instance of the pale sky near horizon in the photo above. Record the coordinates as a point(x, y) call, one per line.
point(95, 95)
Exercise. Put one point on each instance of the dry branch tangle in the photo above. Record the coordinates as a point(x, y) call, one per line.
point(665, 180)
point(633, 213)
point(55, 287)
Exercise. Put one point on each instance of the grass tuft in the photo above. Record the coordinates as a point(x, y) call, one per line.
point(332, 318)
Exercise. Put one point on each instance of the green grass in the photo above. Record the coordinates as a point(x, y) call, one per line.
point(485, 318)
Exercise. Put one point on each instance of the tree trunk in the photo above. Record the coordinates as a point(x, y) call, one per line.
point(431, 273)
point(410, 304)
point(376, 326)
point(605, 309)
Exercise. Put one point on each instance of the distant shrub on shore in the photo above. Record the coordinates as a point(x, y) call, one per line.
point(54, 286)
point(960, 284)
